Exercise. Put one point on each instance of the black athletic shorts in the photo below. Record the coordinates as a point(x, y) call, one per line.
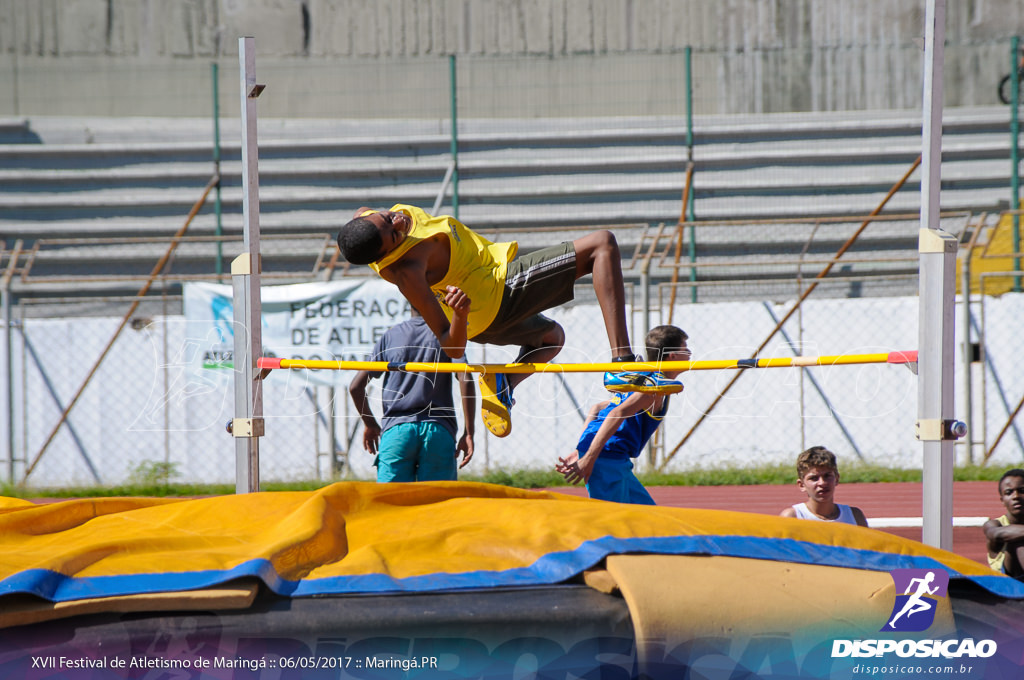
point(533, 283)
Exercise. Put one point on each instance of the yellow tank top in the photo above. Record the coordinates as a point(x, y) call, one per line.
point(998, 561)
point(477, 266)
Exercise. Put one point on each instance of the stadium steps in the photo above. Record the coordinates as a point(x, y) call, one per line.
point(103, 178)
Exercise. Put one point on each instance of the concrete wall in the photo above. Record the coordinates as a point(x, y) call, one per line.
point(143, 57)
point(201, 29)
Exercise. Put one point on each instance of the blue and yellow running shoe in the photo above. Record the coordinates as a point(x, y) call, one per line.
point(640, 381)
point(496, 403)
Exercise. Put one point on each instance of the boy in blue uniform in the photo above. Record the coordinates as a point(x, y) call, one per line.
point(616, 431)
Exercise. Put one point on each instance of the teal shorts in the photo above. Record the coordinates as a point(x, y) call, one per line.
point(416, 452)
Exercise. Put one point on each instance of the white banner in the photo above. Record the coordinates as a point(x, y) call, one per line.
point(332, 320)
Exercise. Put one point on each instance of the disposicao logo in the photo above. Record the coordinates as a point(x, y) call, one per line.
point(914, 610)
point(917, 595)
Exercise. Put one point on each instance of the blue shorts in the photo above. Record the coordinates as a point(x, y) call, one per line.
point(612, 479)
point(416, 452)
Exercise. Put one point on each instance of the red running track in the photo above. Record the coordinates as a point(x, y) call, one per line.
point(877, 500)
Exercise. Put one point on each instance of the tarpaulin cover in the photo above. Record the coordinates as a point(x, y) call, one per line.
point(358, 537)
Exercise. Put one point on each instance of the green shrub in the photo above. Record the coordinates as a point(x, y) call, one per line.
point(157, 479)
point(151, 473)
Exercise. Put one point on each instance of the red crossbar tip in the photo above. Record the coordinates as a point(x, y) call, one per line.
point(908, 357)
point(268, 362)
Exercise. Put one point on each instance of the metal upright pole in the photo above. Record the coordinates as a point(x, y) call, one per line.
point(937, 287)
point(1015, 154)
point(454, 135)
point(968, 359)
point(217, 208)
point(247, 425)
point(936, 427)
point(5, 305)
point(691, 216)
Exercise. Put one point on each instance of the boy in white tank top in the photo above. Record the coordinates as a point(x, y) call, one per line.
point(818, 476)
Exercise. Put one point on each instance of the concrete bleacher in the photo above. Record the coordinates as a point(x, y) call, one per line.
point(100, 179)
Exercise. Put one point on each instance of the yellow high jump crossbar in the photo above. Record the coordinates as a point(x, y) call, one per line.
point(266, 364)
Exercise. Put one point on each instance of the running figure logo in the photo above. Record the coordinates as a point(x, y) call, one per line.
point(914, 610)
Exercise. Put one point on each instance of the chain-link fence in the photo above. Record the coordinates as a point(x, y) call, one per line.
point(77, 419)
point(98, 391)
point(990, 288)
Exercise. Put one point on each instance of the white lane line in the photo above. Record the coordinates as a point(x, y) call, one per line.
point(896, 522)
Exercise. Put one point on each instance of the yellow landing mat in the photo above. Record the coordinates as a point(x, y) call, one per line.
point(389, 538)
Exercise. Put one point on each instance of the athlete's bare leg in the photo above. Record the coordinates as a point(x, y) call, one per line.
point(552, 343)
point(598, 253)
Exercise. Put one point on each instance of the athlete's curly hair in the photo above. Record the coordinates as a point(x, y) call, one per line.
point(360, 242)
point(1015, 472)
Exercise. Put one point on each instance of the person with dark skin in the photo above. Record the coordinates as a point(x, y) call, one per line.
point(1005, 534)
point(466, 287)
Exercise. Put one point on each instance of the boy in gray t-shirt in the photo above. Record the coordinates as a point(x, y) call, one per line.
point(417, 440)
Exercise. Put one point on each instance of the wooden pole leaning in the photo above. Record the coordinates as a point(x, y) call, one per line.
point(803, 296)
point(125, 319)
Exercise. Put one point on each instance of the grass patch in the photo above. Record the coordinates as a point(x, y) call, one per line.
point(976, 473)
point(158, 480)
point(159, 489)
point(521, 479)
